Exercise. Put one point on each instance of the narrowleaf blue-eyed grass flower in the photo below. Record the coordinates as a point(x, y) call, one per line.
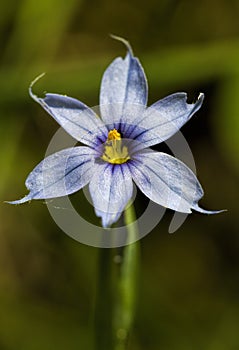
point(117, 142)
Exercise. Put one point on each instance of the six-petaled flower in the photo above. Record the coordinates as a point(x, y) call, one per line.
point(116, 151)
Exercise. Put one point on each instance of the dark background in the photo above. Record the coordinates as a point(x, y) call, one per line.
point(189, 281)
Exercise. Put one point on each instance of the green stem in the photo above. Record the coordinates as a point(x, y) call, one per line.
point(127, 283)
point(114, 311)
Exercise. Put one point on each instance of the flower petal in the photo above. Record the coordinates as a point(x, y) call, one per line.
point(111, 189)
point(166, 181)
point(60, 174)
point(75, 117)
point(123, 85)
point(163, 119)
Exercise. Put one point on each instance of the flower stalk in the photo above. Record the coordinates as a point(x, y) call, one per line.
point(117, 291)
point(127, 284)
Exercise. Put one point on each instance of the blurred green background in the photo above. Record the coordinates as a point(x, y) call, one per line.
point(189, 281)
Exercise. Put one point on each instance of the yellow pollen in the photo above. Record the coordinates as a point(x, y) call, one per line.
point(113, 135)
point(115, 152)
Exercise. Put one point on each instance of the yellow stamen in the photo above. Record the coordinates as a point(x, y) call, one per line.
point(115, 152)
point(113, 135)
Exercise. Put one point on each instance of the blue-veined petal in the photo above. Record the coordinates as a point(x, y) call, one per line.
point(123, 88)
point(111, 189)
point(75, 117)
point(60, 174)
point(167, 181)
point(163, 119)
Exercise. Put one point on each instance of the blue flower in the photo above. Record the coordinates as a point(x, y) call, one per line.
point(116, 150)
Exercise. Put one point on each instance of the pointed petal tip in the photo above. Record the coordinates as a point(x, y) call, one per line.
point(201, 96)
point(210, 212)
point(197, 103)
point(32, 84)
point(200, 100)
point(124, 41)
point(20, 201)
point(106, 226)
point(106, 222)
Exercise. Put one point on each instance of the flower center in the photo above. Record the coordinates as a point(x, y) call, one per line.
point(115, 152)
